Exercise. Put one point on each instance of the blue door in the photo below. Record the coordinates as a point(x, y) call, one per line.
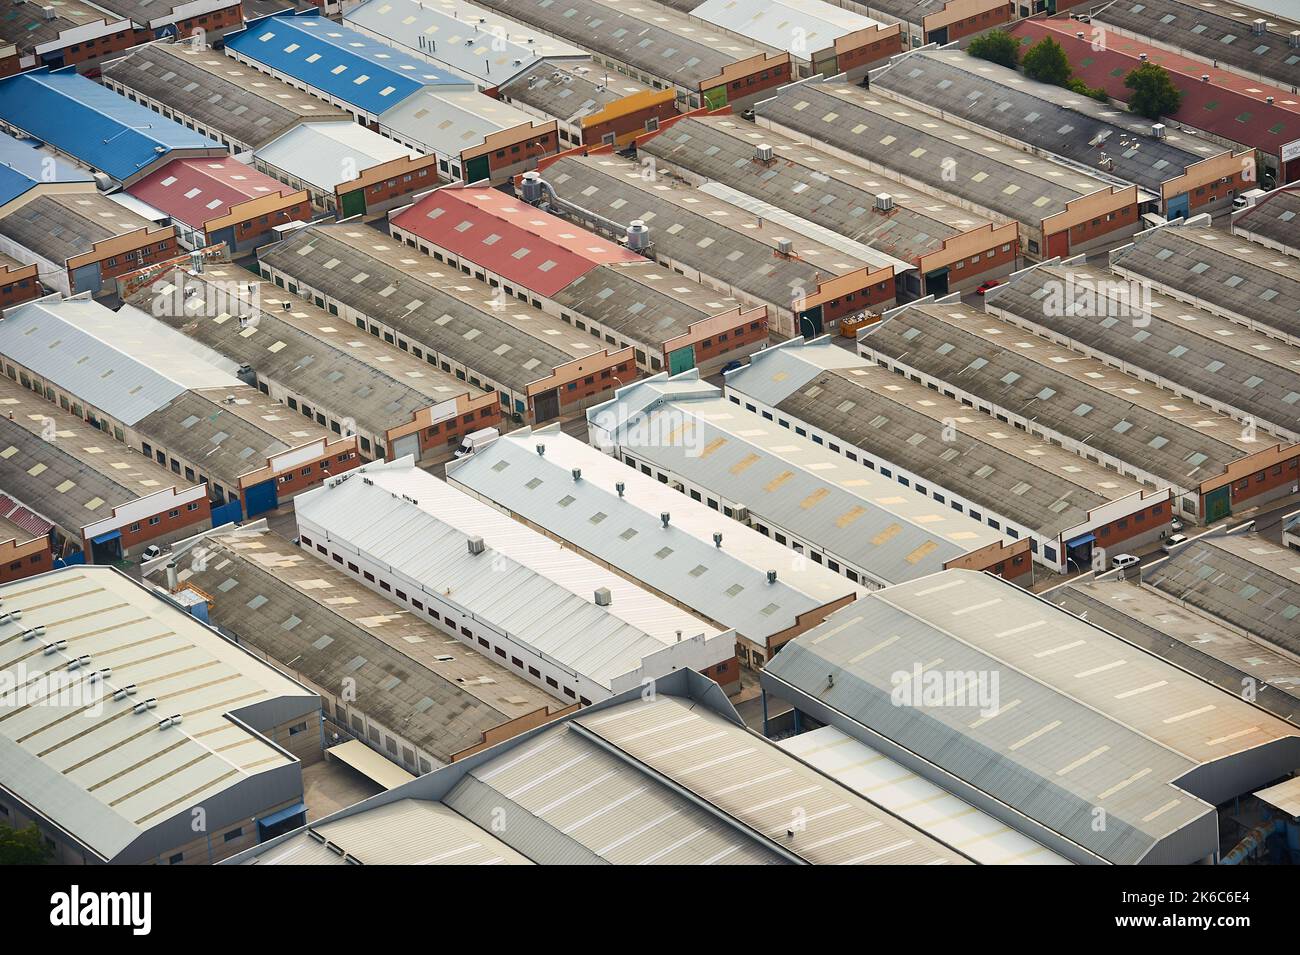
point(261, 497)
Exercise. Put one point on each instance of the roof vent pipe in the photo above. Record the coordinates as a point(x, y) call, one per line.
point(664, 516)
point(172, 580)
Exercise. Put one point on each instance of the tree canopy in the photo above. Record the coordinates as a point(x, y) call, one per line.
point(1154, 93)
point(1046, 62)
point(996, 46)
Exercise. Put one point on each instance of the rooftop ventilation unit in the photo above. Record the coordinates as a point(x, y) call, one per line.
point(1158, 131)
point(603, 597)
point(123, 692)
point(620, 487)
point(785, 246)
point(1205, 77)
point(144, 705)
point(638, 236)
point(1142, 57)
point(1293, 40)
point(884, 202)
point(763, 152)
point(717, 539)
point(55, 647)
point(771, 576)
point(98, 675)
point(1268, 100)
point(30, 632)
point(173, 720)
point(1259, 27)
point(11, 616)
point(475, 545)
point(81, 661)
point(664, 516)
point(577, 474)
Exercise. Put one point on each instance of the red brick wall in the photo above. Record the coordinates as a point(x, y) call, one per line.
point(448, 433)
point(736, 337)
point(865, 298)
point(17, 562)
point(1269, 479)
point(983, 21)
point(597, 382)
point(629, 123)
point(532, 148)
point(767, 78)
point(1147, 519)
point(147, 254)
point(380, 192)
point(17, 289)
point(296, 481)
point(870, 53)
point(166, 524)
point(254, 227)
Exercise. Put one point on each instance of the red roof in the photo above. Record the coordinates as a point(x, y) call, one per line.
point(1228, 105)
point(524, 245)
point(195, 191)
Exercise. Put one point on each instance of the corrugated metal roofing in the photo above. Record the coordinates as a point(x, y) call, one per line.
point(59, 226)
point(773, 22)
point(447, 121)
point(93, 124)
point(23, 166)
point(330, 152)
point(124, 363)
point(195, 191)
point(368, 75)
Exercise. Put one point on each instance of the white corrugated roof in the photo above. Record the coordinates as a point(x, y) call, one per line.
point(326, 154)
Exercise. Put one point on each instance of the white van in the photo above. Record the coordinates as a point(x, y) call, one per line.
point(1248, 198)
point(1124, 561)
point(477, 441)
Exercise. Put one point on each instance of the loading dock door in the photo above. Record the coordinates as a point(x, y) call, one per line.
point(936, 282)
point(106, 548)
point(477, 169)
point(407, 444)
point(546, 406)
point(810, 322)
point(261, 497)
point(1218, 504)
point(354, 203)
point(681, 359)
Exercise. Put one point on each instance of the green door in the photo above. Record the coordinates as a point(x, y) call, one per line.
point(1218, 504)
point(715, 98)
point(354, 204)
point(476, 170)
point(681, 359)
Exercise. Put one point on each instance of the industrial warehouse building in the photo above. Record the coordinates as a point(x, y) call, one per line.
point(1081, 741)
point(618, 784)
point(561, 621)
point(187, 753)
point(681, 549)
point(1067, 507)
point(1080, 404)
point(823, 505)
point(1272, 221)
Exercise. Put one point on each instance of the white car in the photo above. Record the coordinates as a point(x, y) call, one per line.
point(1123, 561)
point(151, 552)
point(1176, 526)
point(1172, 541)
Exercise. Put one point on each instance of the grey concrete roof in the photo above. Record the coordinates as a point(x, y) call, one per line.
point(342, 263)
point(1079, 719)
point(218, 91)
point(1276, 218)
point(1210, 34)
point(1042, 487)
point(711, 236)
point(1210, 355)
point(653, 41)
point(58, 227)
point(1242, 579)
point(642, 301)
point(1251, 282)
point(888, 134)
point(290, 605)
point(569, 91)
point(1187, 637)
point(811, 183)
point(1041, 116)
point(378, 385)
point(1079, 397)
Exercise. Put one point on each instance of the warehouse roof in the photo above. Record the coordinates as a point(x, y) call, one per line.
point(1250, 583)
point(284, 602)
point(448, 121)
point(1276, 218)
point(75, 479)
point(569, 91)
point(658, 42)
point(217, 91)
point(1078, 719)
point(618, 783)
point(59, 226)
point(1213, 356)
point(537, 591)
point(769, 22)
point(449, 32)
point(642, 301)
point(622, 527)
point(1208, 34)
point(916, 800)
point(195, 191)
point(378, 386)
point(438, 306)
point(1258, 286)
point(1043, 116)
point(1007, 181)
point(104, 773)
point(1082, 398)
point(1188, 637)
point(326, 154)
point(709, 235)
point(363, 72)
point(813, 184)
point(1026, 479)
point(23, 166)
point(527, 247)
point(92, 124)
point(28, 26)
point(786, 479)
point(124, 363)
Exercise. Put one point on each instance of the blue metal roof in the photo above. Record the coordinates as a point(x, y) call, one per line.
point(370, 76)
point(22, 166)
point(91, 123)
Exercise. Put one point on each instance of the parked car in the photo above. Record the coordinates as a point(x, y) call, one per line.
point(731, 366)
point(1124, 561)
point(151, 552)
point(991, 283)
point(1177, 526)
point(1172, 541)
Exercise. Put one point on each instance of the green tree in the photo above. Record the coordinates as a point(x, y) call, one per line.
point(1045, 61)
point(23, 846)
point(996, 46)
point(1154, 94)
